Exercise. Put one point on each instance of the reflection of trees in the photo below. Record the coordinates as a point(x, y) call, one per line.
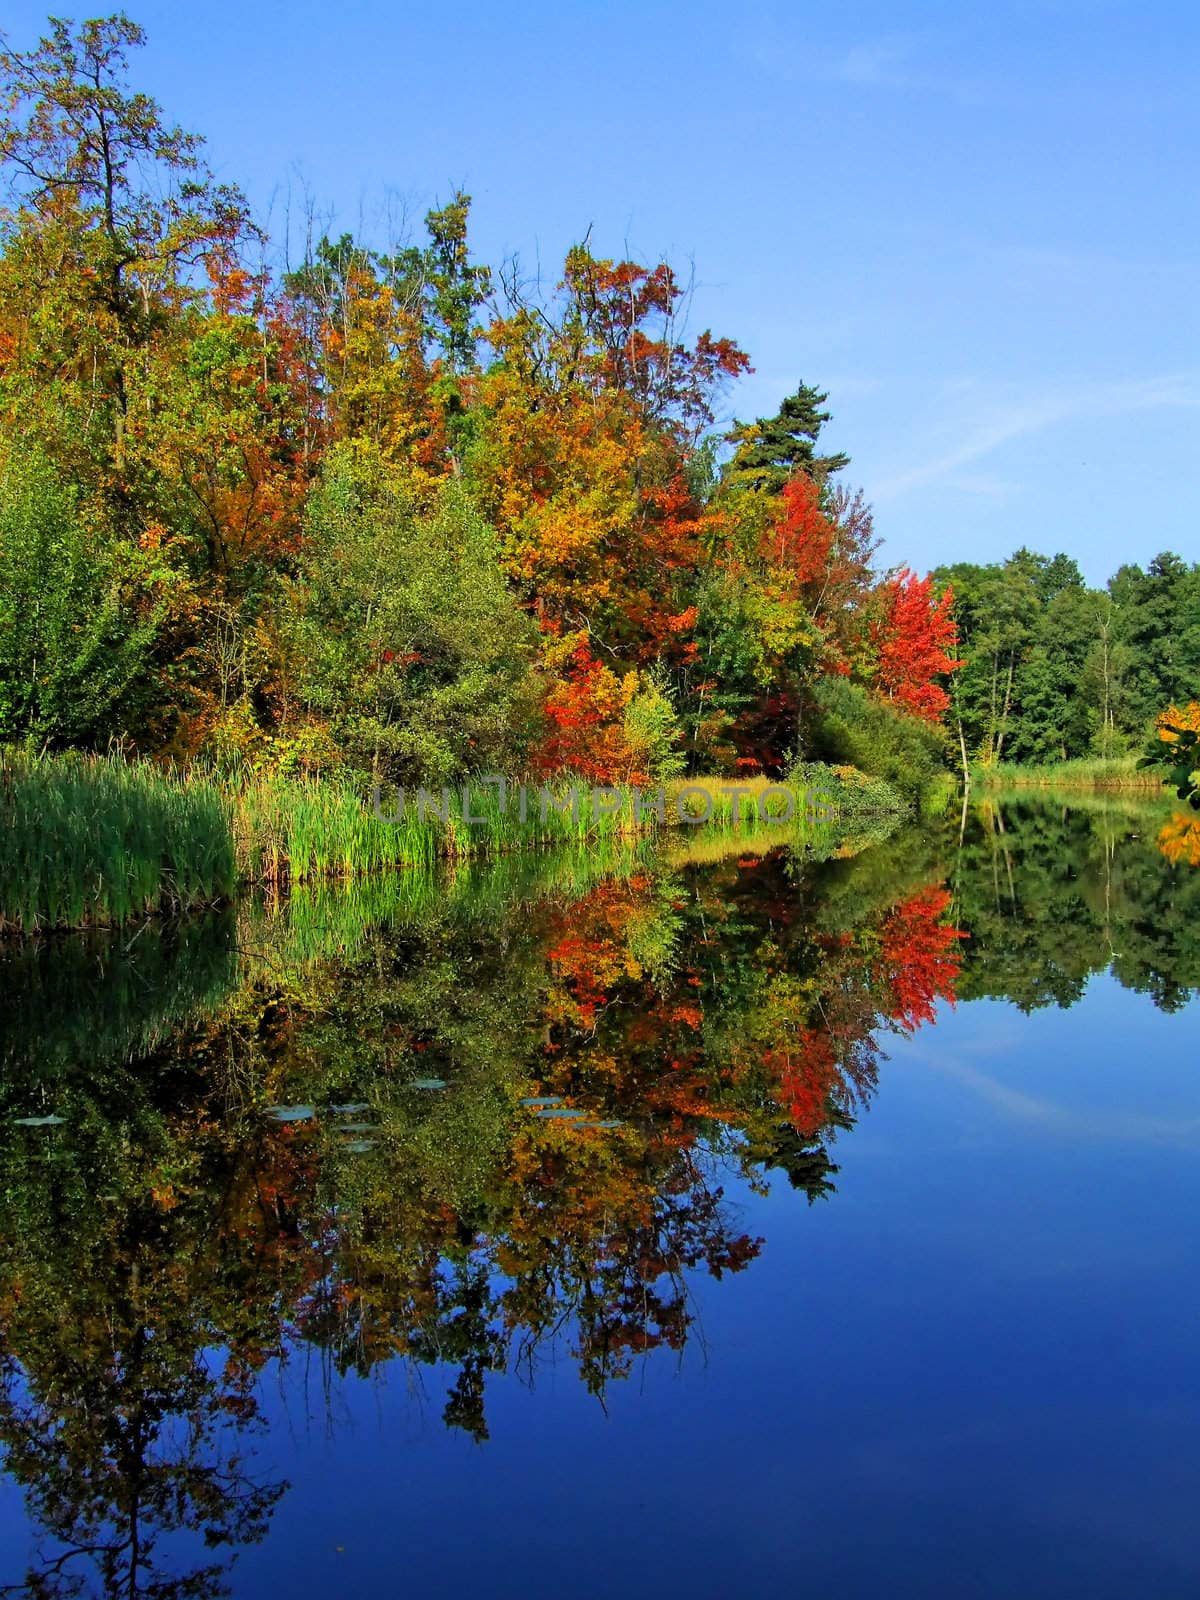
point(723, 1018)
point(1050, 893)
point(124, 1446)
point(704, 1020)
point(117, 1421)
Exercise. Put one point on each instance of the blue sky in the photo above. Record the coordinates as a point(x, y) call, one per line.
point(976, 227)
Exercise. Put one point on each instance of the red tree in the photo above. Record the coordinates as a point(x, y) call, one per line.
point(915, 639)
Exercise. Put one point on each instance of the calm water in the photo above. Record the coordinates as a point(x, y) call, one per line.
point(867, 1260)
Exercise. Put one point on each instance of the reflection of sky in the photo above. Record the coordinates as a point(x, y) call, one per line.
point(972, 1372)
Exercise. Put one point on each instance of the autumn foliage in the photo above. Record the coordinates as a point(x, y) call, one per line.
point(915, 639)
point(196, 407)
point(919, 956)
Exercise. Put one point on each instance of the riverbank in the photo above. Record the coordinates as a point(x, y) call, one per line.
point(1119, 774)
point(88, 841)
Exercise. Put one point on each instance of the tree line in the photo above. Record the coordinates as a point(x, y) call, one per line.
point(1055, 670)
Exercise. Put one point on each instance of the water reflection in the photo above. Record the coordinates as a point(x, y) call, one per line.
point(466, 1123)
point(1052, 893)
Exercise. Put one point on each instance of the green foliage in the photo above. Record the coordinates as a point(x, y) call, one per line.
point(1057, 671)
point(403, 633)
point(653, 731)
point(78, 618)
point(457, 287)
point(849, 727)
point(1158, 627)
point(772, 449)
point(847, 793)
point(87, 840)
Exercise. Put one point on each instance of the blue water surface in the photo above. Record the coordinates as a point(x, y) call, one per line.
point(972, 1371)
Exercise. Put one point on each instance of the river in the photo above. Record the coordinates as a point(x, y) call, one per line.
point(708, 1221)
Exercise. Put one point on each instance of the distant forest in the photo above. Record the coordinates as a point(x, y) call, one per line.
point(1054, 670)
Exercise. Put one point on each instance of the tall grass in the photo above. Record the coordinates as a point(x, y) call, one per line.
point(297, 831)
point(92, 840)
point(89, 841)
point(1085, 772)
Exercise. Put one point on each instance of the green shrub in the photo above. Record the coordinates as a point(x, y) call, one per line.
point(402, 633)
point(850, 728)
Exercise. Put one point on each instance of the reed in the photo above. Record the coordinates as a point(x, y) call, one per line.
point(87, 841)
point(90, 841)
point(298, 831)
point(1085, 772)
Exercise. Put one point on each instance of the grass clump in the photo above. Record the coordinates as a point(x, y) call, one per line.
point(301, 830)
point(87, 841)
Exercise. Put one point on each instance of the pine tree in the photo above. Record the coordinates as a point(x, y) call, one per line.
point(773, 449)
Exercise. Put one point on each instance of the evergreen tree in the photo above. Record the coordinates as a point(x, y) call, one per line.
point(771, 450)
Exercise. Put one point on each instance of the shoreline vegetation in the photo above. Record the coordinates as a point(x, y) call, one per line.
point(1116, 773)
point(269, 536)
point(93, 841)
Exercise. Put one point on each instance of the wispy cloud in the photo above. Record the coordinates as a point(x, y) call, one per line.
point(896, 63)
point(1090, 1123)
point(884, 64)
point(903, 64)
point(1007, 423)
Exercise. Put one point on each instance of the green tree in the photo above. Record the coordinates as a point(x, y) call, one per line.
point(771, 450)
point(402, 631)
point(1157, 621)
point(456, 286)
point(79, 617)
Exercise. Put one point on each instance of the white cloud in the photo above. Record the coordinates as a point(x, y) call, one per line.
point(1089, 1123)
point(1032, 415)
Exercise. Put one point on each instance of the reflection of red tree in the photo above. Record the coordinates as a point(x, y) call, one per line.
point(919, 956)
point(584, 966)
point(807, 1075)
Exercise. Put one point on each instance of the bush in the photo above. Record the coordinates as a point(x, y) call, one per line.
point(849, 727)
point(401, 632)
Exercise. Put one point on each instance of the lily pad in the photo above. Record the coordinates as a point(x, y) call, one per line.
point(542, 1100)
point(39, 1122)
point(291, 1113)
point(429, 1083)
point(561, 1113)
point(606, 1124)
point(350, 1110)
point(357, 1127)
point(357, 1147)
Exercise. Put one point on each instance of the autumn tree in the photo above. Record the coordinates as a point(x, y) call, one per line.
point(114, 213)
point(915, 638)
